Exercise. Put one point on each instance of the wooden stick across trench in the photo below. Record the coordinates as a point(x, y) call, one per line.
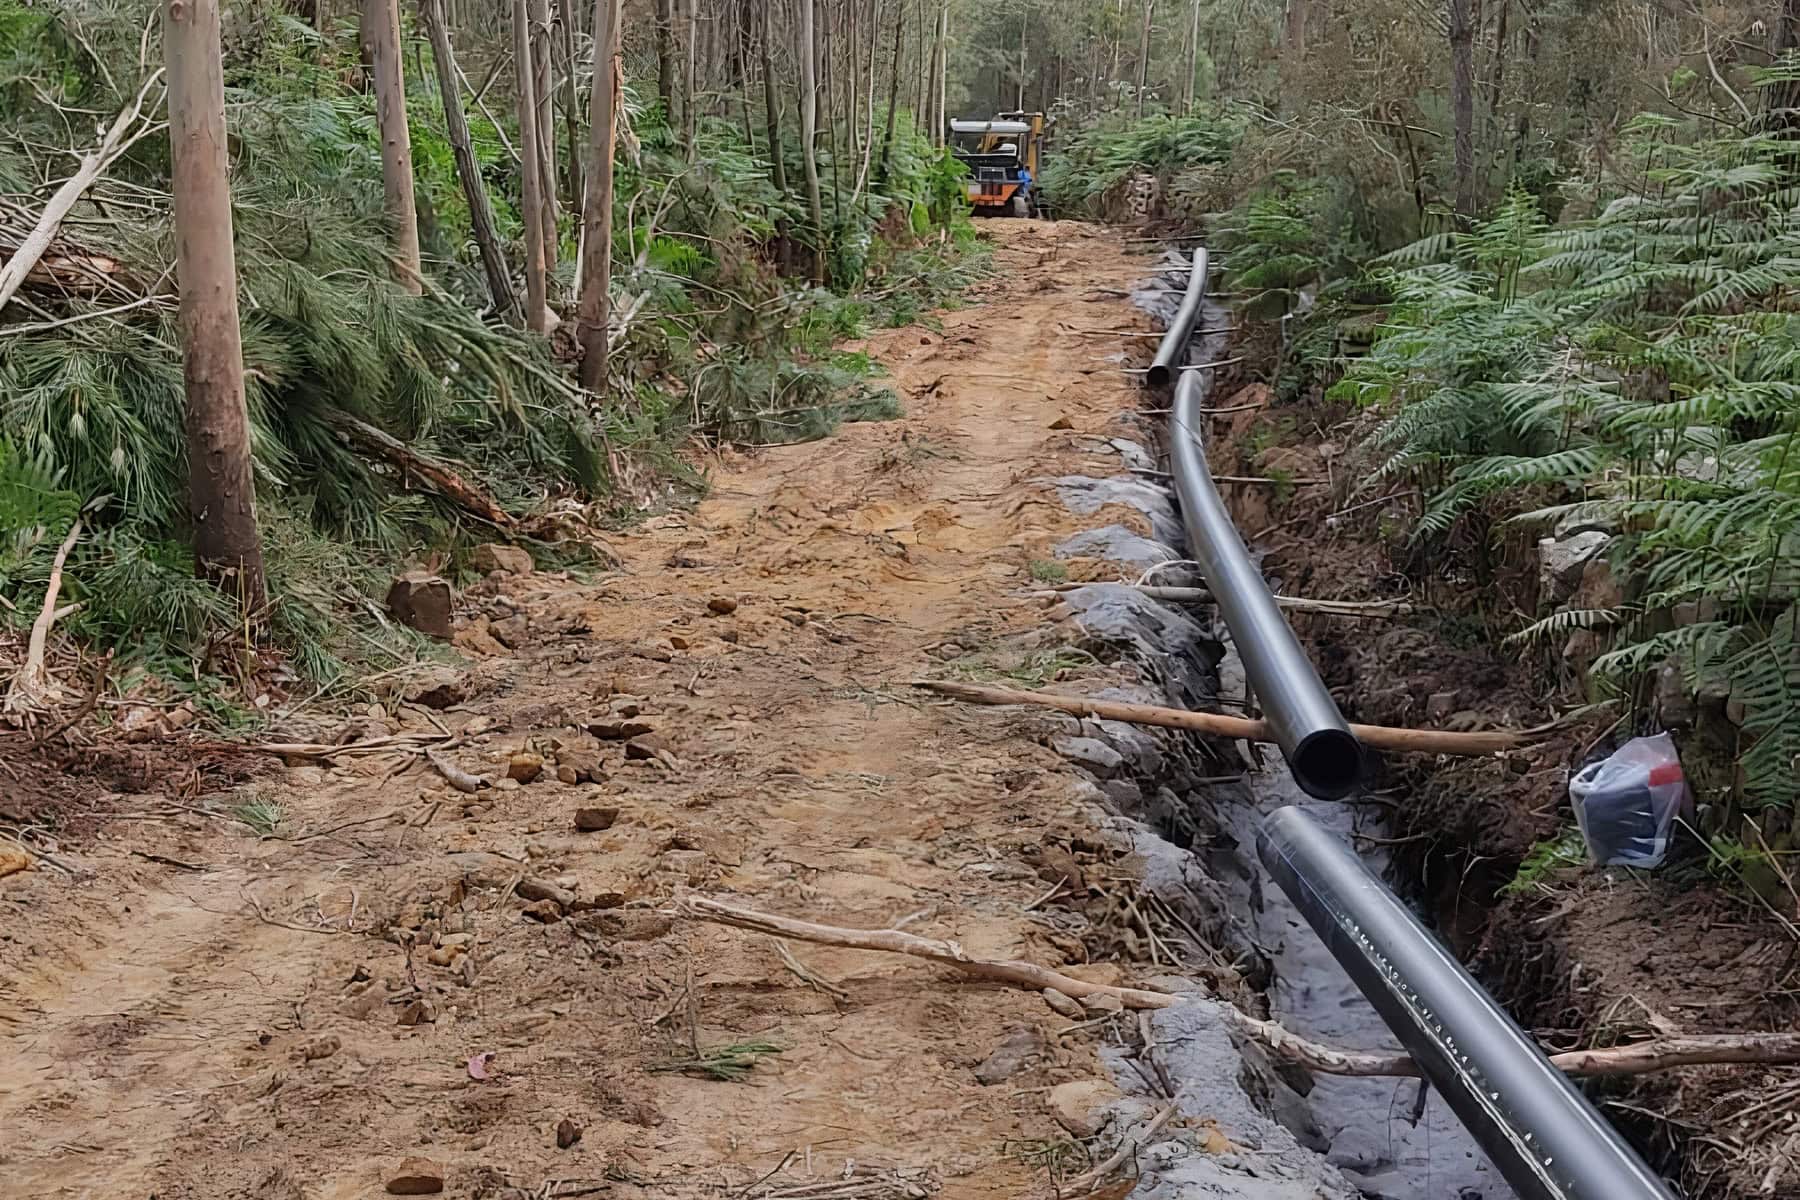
point(1379, 737)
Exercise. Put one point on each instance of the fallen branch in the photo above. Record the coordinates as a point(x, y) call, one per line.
point(1380, 737)
point(1188, 595)
point(1642, 1058)
point(439, 475)
point(458, 778)
point(1086, 1183)
point(32, 687)
point(25, 259)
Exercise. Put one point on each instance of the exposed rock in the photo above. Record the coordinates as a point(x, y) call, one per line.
point(567, 1133)
point(545, 911)
point(1134, 456)
point(416, 1177)
point(645, 747)
point(721, 606)
point(595, 820)
point(1560, 563)
point(566, 774)
point(1066, 1006)
point(1116, 543)
point(514, 632)
point(1022, 1049)
point(1091, 753)
point(441, 687)
point(1103, 1004)
point(1079, 1106)
point(423, 601)
point(13, 861)
point(1084, 495)
point(619, 731)
point(1439, 706)
point(419, 1012)
point(677, 642)
point(494, 556)
point(525, 766)
point(321, 1047)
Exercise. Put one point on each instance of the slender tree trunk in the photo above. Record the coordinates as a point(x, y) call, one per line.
point(691, 89)
point(1143, 84)
point(1462, 105)
point(1294, 30)
point(221, 475)
point(1193, 58)
point(544, 109)
point(571, 100)
point(809, 117)
point(665, 61)
point(381, 18)
point(596, 262)
point(940, 85)
point(1024, 28)
point(468, 170)
point(922, 109)
point(771, 101)
point(893, 109)
point(1784, 97)
point(531, 174)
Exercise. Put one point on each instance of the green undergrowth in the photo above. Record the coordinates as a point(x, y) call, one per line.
point(726, 342)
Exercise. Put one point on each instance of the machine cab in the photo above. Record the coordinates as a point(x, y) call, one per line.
point(1002, 157)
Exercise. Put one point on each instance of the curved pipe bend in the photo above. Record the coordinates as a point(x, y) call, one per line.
point(1325, 757)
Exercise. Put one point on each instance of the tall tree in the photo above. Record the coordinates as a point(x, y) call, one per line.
point(595, 304)
point(542, 95)
point(381, 25)
point(771, 101)
point(1462, 105)
point(893, 100)
point(571, 96)
point(531, 176)
point(221, 475)
point(1143, 81)
point(468, 170)
point(809, 120)
point(665, 61)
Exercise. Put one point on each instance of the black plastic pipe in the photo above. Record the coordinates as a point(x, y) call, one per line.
point(1324, 756)
point(1537, 1129)
point(1173, 348)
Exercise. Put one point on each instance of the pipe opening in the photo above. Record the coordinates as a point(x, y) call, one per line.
point(1327, 764)
point(1158, 375)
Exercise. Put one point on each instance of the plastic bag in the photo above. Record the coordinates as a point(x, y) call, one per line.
point(1626, 804)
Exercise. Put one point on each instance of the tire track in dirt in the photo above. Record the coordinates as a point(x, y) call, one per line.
point(162, 1035)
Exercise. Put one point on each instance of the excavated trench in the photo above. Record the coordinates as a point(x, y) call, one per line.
point(1196, 810)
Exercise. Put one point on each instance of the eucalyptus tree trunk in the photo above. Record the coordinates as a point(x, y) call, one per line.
point(221, 475)
point(595, 307)
point(1193, 57)
point(531, 174)
point(893, 102)
point(468, 170)
point(771, 101)
point(690, 82)
point(665, 61)
point(1784, 96)
point(809, 120)
point(939, 65)
point(544, 112)
point(381, 24)
point(1143, 82)
point(1462, 105)
point(571, 100)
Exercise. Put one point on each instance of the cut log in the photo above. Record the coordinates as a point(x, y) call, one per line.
point(436, 473)
point(1379, 737)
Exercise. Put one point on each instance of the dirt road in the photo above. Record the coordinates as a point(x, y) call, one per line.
point(227, 1020)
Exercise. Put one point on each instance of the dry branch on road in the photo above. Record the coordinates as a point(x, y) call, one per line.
point(1642, 1058)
